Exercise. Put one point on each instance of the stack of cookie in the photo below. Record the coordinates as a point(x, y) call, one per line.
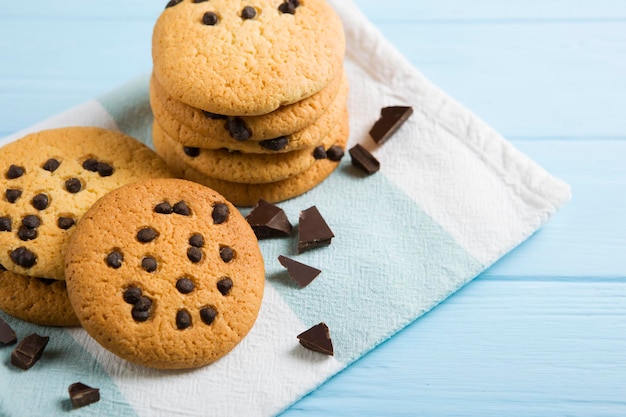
point(250, 100)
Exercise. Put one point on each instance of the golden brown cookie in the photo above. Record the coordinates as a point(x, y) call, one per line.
point(236, 58)
point(40, 301)
point(165, 273)
point(48, 181)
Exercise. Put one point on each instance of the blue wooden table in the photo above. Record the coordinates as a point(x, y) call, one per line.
point(543, 332)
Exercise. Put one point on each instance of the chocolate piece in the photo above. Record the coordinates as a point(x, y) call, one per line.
point(248, 12)
point(335, 153)
point(183, 319)
point(173, 3)
point(317, 339)
point(226, 254)
point(196, 240)
point(91, 164)
point(146, 235)
point(23, 257)
point(73, 185)
point(5, 224)
point(268, 220)
point(104, 169)
point(15, 172)
point(163, 208)
point(182, 208)
point(224, 285)
point(29, 351)
point(275, 144)
point(114, 259)
point(51, 165)
point(210, 19)
point(208, 314)
point(301, 273)
point(220, 213)
point(132, 295)
point(238, 129)
point(25, 233)
point(319, 152)
point(287, 7)
point(191, 152)
point(194, 254)
point(7, 334)
point(313, 230)
point(149, 264)
point(82, 395)
point(391, 118)
point(185, 285)
point(364, 160)
point(214, 116)
point(65, 222)
point(31, 221)
point(12, 195)
point(41, 201)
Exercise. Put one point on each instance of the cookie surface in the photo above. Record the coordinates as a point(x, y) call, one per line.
point(49, 179)
point(36, 300)
point(246, 63)
point(167, 258)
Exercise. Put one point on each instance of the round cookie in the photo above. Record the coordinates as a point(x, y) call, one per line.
point(165, 273)
point(40, 301)
point(49, 179)
point(236, 59)
point(247, 195)
point(283, 121)
point(311, 135)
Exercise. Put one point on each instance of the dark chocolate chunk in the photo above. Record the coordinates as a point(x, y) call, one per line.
point(15, 172)
point(391, 118)
point(237, 128)
point(182, 208)
point(173, 3)
point(317, 339)
point(227, 254)
point(196, 240)
point(208, 314)
point(114, 259)
point(364, 160)
point(5, 224)
point(91, 164)
point(185, 285)
point(132, 295)
point(73, 185)
point(319, 152)
point(301, 273)
point(12, 195)
point(143, 304)
point(31, 221)
point(335, 153)
point(51, 165)
point(25, 233)
point(23, 257)
point(104, 169)
point(147, 234)
point(194, 254)
point(287, 7)
point(214, 116)
point(210, 19)
point(224, 285)
point(275, 144)
point(29, 351)
point(313, 230)
point(191, 152)
point(8, 336)
point(82, 395)
point(268, 220)
point(164, 208)
point(41, 201)
point(220, 213)
point(149, 264)
point(183, 319)
point(65, 222)
point(248, 12)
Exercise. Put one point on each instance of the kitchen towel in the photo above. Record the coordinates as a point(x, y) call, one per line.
point(451, 198)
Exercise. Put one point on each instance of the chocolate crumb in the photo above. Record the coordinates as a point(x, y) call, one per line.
point(12, 195)
point(173, 3)
point(182, 208)
point(163, 208)
point(317, 339)
point(237, 127)
point(319, 152)
point(91, 164)
point(208, 314)
point(26, 234)
point(65, 222)
point(114, 259)
point(149, 264)
point(196, 240)
point(82, 395)
point(224, 285)
point(335, 153)
point(313, 231)
point(185, 285)
point(194, 254)
point(210, 19)
point(146, 235)
point(73, 185)
point(276, 144)
point(227, 254)
point(268, 220)
point(23, 257)
point(29, 351)
point(15, 172)
point(301, 273)
point(391, 119)
point(191, 152)
point(41, 201)
point(104, 169)
point(8, 336)
point(248, 12)
point(220, 213)
point(132, 295)
point(5, 224)
point(364, 160)
point(183, 319)
point(31, 221)
point(214, 116)
point(51, 165)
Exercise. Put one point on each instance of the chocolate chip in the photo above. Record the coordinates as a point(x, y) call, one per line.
point(41, 201)
point(26, 234)
point(196, 240)
point(185, 285)
point(183, 319)
point(391, 119)
point(163, 208)
point(31, 221)
point(287, 7)
point(317, 339)
point(5, 224)
point(194, 254)
point(114, 259)
point(301, 273)
point(364, 160)
point(65, 222)
point(29, 351)
point(82, 395)
point(147, 234)
point(132, 295)
point(8, 336)
point(182, 208)
point(191, 152)
point(91, 164)
point(199, 1)
point(149, 264)
point(73, 185)
point(275, 144)
point(104, 169)
point(51, 165)
point(173, 3)
point(23, 257)
point(313, 231)
point(214, 116)
point(268, 220)
point(224, 285)
point(210, 19)
point(248, 12)
point(335, 153)
point(15, 172)
point(319, 152)
point(140, 316)
point(226, 254)
point(208, 314)
point(238, 129)
point(220, 213)
point(12, 195)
